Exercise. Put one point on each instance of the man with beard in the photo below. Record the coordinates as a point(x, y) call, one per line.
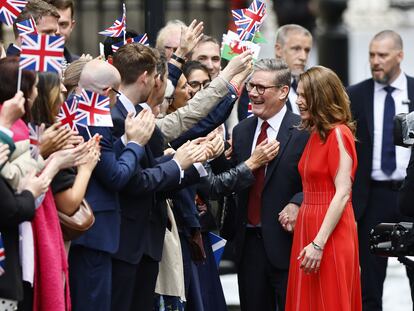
point(381, 165)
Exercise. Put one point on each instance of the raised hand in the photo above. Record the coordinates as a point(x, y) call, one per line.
point(265, 152)
point(12, 110)
point(237, 65)
point(190, 36)
point(4, 153)
point(140, 128)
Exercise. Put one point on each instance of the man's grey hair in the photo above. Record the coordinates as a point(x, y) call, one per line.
point(284, 31)
point(278, 66)
point(385, 34)
point(172, 24)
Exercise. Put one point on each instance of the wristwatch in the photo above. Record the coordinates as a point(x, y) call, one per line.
point(178, 59)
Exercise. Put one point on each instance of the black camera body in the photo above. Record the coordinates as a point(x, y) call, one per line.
point(392, 239)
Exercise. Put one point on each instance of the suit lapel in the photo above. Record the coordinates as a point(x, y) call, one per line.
point(283, 137)
point(246, 142)
point(121, 108)
point(369, 108)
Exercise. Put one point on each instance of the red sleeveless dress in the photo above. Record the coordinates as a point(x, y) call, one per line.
point(336, 286)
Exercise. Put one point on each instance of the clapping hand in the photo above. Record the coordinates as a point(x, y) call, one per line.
point(140, 128)
point(188, 154)
point(92, 157)
point(53, 139)
point(36, 185)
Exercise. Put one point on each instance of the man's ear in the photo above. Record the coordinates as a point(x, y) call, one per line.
point(143, 78)
point(278, 50)
point(107, 91)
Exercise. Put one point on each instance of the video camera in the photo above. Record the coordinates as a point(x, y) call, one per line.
point(404, 129)
point(392, 239)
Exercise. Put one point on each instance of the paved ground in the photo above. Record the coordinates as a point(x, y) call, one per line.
point(396, 289)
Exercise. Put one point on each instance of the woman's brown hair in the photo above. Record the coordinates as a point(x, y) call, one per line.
point(327, 101)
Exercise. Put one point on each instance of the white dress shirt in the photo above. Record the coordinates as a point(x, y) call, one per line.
point(274, 126)
point(402, 154)
point(293, 96)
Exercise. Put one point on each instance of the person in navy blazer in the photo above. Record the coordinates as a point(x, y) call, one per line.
point(263, 250)
point(375, 193)
point(143, 210)
point(90, 255)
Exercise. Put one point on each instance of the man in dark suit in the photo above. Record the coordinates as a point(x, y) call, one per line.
point(262, 244)
point(381, 165)
point(143, 209)
point(90, 255)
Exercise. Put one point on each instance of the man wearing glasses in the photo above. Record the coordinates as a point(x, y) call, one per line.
point(262, 244)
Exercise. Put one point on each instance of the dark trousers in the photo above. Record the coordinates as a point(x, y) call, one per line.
point(261, 285)
point(133, 285)
point(90, 279)
point(382, 207)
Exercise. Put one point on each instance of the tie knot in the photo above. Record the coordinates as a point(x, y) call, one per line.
point(265, 125)
point(389, 89)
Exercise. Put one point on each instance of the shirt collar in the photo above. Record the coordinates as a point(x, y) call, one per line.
point(274, 121)
point(128, 105)
point(145, 106)
point(400, 83)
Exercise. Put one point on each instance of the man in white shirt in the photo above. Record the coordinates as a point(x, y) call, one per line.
point(381, 165)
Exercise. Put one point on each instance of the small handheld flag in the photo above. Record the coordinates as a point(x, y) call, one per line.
point(143, 39)
point(249, 20)
point(217, 244)
point(93, 110)
point(10, 10)
point(27, 27)
point(118, 28)
point(42, 53)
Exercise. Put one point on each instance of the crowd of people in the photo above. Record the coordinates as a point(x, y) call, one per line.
point(290, 166)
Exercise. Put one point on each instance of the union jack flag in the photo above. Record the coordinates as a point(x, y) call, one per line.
point(42, 53)
point(118, 28)
point(2, 256)
point(35, 133)
point(10, 9)
point(93, 110)
point(249, 20)
point(68, 112)
point(143, 39)
point(27, 27)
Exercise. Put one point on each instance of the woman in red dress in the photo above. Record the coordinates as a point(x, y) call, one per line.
point(324, 266)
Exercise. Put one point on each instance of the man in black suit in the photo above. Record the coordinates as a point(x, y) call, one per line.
point(262, 244)
point(381, 165)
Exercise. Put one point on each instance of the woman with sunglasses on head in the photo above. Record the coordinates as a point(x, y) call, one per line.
point(324, 265)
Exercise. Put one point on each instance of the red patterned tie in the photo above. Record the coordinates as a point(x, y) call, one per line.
point(255, 194)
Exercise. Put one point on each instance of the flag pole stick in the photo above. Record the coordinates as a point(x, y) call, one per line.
point(19, 79)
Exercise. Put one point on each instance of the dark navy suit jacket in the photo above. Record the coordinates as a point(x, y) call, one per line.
point(282, 185)
point(110, 175)
point(143, 210)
